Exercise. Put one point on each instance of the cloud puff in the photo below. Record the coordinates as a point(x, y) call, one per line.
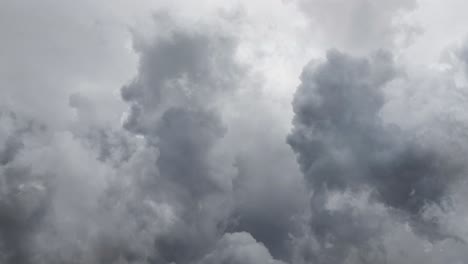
point(343, 145)
point(235, 248)
point(188, 68)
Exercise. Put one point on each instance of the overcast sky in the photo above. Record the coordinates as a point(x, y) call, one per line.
point(233, 132)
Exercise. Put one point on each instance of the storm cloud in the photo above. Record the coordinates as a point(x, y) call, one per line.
point(343, 145)
point(270, 132)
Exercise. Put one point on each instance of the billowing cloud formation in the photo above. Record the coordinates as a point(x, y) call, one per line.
point(186, 69)
point(175, 141)
point(342, 142)
point(176, 105)
point(179, 77)
point(343, 145)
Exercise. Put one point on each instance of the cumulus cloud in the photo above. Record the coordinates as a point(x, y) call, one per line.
point(343, 145)
point(161, 133)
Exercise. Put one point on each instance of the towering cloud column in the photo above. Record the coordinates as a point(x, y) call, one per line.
point(344, 147)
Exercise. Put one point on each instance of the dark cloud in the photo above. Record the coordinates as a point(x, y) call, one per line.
point(173, 106)
point(23, 208)
point(268, 196)
point(24, 197)
point(203, 167)
point(164, 187)
point(185, 139)
point(343, 145)
point(12, 142)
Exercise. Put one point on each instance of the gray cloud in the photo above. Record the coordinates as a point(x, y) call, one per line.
point(183, 68)
point(269, 192)
point(202, 169)
point(343, 145)
point(358, 25)
point(23, 197)
point(173, 105)
point(10, 136)
point(167, 197)
point(235, 248)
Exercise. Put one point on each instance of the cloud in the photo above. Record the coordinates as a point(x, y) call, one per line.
point(152, 191)
point(174, 107)
point(23, 195)
point(343, 145)
point(180, 148)
point(241, 247)
point(185, 68)
point(358, 25)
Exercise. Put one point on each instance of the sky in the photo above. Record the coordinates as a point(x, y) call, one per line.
point(233, 132)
